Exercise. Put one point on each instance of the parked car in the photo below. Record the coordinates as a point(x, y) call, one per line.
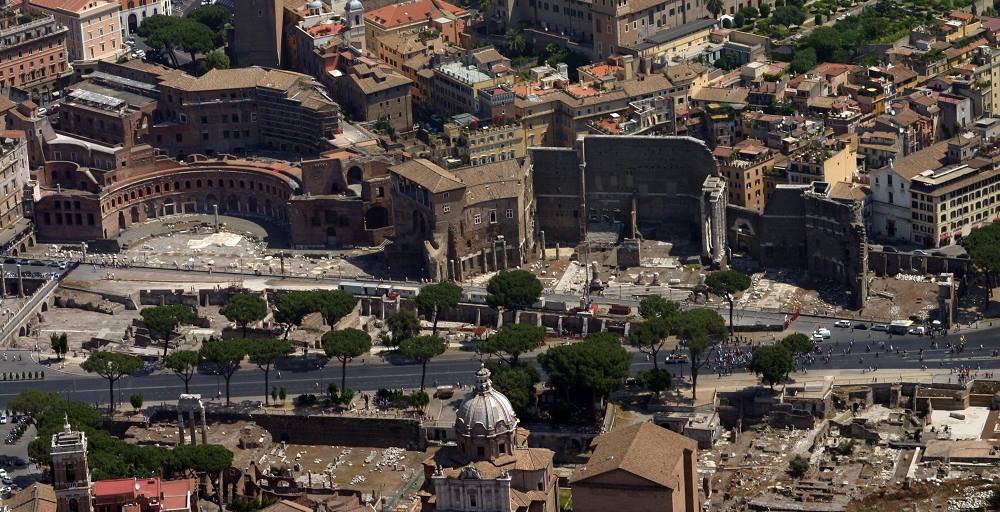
point(919, 330)
point(880, 327)
point(861, 327)
point(824, 332)
point(817, 337)
point(842, 323)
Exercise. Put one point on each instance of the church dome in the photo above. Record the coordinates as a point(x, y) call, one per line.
point(354, 5)
point(487, 413)
point(315, 5)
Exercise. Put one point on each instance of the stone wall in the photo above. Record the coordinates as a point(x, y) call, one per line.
point(883, 263)
point(343, 430)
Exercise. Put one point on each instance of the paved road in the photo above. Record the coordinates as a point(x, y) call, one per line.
point(457, 367)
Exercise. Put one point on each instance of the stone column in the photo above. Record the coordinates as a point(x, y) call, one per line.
point(3, 283)
point(557, 250)
point(479, 317)
point(499, 318)
point(493, 252)
point(604, 325)
point(559, 328)
point(538, 319)
point(192, 426)
point(586, 326)
point(541, 236)
point(215, 213)
point(486, 262)
point(517, 316)
point(381, 310)
point(204, 426)
point(628, 325)
point(180, 426)
point(505, 254)
point(20, 282)
point(713, 215)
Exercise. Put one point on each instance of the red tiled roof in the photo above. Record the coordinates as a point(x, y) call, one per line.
point(68, 5)
point(173, 494)
point(409, 12)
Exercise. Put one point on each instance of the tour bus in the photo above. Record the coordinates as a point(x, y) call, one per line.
point(900, 326)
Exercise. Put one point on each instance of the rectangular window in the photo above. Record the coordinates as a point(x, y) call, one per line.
point(477, 219)
point(493, 216)
point(446, 209)
point(510, 213)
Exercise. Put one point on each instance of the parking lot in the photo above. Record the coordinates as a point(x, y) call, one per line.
point(15, 471)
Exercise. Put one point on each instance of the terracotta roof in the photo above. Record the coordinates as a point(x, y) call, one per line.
point(36, 498)
point(394, 15)
point(644, 450)
point(929, 158)
point(721, 94)
point(286, 506)
point(70, 5)
point(491, 181)
point(173, 494)
point(237, 78)
point(429, 175)
point(848, 191)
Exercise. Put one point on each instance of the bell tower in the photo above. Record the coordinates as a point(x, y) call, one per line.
point(354, 13)
point(70, 475)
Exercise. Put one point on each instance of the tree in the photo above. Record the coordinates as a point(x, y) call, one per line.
point(163, 320)
point(184, 363)
point(291, 308)
point(334, 305)
point(765, 10)
point(215, 59)
point(60, 344)
point(655, 306)
point(208, 459)
point(798, 466)
point(726, 283)
point(346, 345)
point(136, 401)
point(194, 38)
point(739, 20)
point(112, 366)
point(650, 336)
point(224, 356)
point(798, 344)
point(419, 400)
point(160, 33)
point(983, 246)
point(512, 340)
point(701, 329)
point(773, 363)
point(804, 60)
point(517, 383)
point(788, 15)
point(513, 289)
point(215, 17)
point(244, 309)
point(422, 349)
point(264, 353)
point(437, 298)
point(655, 380)
point(33, 403)
point(715, 7)
point(403, 324)
point(516, 44)
point(587, 371)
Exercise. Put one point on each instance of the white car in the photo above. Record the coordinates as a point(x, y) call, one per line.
point(842, 323)
point(824, 332)
point(919, 331)
point(3, 420)
point(817, 337)
point(42, 111)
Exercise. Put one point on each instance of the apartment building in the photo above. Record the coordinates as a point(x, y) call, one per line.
point(620, 24)
point(95, 31)
point(33, 54)
point(415, 16)
point(105, 115)
point(948, 203)
point(744, 166)
point(823, 162)
point(14, 176)
point(473, 143)
point(134, 12)
point(372, 91)
point(456, 86)
point(893, 211)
